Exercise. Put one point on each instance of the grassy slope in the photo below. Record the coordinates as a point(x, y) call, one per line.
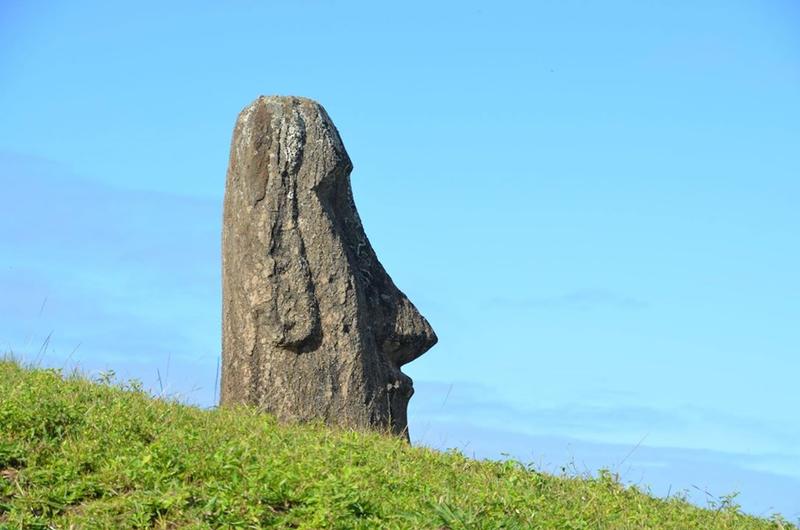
point(79, 454)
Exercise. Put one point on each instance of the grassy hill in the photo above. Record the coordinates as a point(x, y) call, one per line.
point(81, 454)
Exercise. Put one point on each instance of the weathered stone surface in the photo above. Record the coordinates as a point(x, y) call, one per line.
point(312, 325)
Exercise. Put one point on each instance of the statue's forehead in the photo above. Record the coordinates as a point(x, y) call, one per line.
point(293, 124)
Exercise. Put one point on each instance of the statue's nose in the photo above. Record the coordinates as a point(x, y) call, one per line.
point(411, 337)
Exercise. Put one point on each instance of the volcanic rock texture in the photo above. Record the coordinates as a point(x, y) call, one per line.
point(312, 325)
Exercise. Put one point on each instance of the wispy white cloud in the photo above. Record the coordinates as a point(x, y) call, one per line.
point(607, 434)
point(130, 276)
point(704, 476)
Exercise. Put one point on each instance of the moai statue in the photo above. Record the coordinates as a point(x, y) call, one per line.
point(312, 325)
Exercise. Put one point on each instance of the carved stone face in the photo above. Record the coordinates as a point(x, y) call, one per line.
point(313, 326)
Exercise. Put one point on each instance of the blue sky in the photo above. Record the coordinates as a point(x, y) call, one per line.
point(595, 205)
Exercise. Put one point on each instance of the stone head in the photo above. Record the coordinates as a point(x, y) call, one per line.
point(313, 326)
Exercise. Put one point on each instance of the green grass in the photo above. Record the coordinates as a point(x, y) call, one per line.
point(81, 454)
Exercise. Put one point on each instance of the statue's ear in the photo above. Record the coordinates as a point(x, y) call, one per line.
point(287, 307)
point(292, 312)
